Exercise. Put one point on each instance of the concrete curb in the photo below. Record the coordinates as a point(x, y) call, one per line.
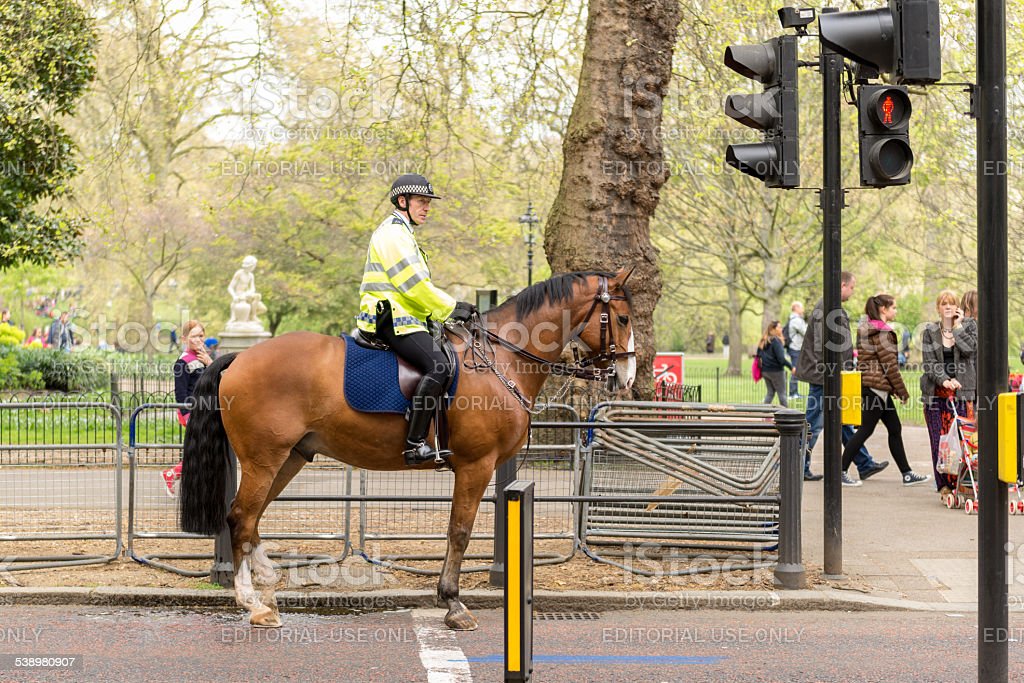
point(544, 601)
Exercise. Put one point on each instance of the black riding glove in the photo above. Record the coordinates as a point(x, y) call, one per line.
point(463, 312)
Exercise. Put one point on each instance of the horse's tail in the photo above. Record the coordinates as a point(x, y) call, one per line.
point(204, 469)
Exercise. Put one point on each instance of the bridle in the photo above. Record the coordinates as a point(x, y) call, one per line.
point(580, 368)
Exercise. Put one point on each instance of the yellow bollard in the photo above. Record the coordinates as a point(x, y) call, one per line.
point(850, 397)
point(519, 582)
point(1009, 444)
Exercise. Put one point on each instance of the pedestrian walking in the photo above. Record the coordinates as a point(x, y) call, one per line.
point(878, 362)
point(811, 369)
point(794, 333)
point(773, 363)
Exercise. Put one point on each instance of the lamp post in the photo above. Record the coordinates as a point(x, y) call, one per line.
point(506, 473)
point(526, 223)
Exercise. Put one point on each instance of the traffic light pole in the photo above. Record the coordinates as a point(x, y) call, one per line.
point(831, 65)
point(993, 617)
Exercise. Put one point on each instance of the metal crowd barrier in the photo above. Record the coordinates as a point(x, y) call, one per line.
point(60, 481)
point(409, 528)
point(728, 456)
point(154, 444)
point(694, 476)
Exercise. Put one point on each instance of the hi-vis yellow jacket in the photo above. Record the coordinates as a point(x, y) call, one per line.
point(396, 270)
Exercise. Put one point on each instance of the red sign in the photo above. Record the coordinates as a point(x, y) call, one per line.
point(669, 367)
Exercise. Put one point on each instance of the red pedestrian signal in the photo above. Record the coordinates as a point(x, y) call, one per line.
point(887, 110)
point(884, 117)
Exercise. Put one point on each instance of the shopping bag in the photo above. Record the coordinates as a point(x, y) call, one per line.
point(950, 451)
point(755, 367)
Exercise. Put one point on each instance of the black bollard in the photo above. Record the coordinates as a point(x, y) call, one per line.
point(789, 572)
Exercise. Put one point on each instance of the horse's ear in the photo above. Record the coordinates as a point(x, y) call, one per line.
point(625, 277)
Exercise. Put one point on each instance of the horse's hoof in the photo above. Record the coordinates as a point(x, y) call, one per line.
point(265, 618)
point(460, 620)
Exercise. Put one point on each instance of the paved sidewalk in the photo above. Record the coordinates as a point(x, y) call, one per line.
point(901, 542)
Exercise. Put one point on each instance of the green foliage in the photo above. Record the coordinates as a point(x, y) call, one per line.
point(61, 371)
point(12, 374)
point(48, 61)
point(10, 335)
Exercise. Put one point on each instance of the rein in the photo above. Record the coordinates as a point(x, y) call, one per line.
point(579, 369)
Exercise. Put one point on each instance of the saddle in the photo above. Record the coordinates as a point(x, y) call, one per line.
point(408, 376)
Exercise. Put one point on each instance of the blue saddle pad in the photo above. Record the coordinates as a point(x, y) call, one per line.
point(371, 380)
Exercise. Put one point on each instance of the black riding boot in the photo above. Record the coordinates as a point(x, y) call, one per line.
point(424, 402)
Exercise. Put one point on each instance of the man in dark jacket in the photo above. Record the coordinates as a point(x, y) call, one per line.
point(60, 332)
point(810, 368)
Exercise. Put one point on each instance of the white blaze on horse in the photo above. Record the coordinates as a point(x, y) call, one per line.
point(280, 402)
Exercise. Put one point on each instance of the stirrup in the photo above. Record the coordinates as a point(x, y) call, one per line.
point(417, 454)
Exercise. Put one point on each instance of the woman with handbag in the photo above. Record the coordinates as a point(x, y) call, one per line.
point(773, 361)
point(948, 351)
point(878, 362)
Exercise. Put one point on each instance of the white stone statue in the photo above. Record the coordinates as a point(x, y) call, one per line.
point(246, 303)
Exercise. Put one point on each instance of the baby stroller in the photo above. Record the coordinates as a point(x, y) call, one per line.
point(958, 457)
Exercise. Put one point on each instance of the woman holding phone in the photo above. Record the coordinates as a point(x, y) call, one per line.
point(187, 369)
point(948, 353)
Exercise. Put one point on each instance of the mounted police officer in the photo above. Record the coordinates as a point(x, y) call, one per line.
point(397, 298)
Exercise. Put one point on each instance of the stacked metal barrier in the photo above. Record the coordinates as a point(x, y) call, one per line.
point(725, 452)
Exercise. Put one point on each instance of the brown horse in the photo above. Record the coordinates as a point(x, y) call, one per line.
point(280, 402)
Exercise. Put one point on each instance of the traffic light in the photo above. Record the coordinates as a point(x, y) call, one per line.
point(902, 39)
point(775, 111)
point(883, 112)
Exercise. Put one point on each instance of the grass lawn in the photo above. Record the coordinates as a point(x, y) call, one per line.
point(717, 387)
point(56, 424)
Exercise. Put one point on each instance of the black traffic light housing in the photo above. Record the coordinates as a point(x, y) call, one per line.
point(883, 113)
point(776, 161)
point(902, 39)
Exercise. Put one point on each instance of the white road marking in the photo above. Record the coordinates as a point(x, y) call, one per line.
point(439, 648)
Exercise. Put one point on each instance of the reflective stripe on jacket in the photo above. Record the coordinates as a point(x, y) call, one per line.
point(396, 270)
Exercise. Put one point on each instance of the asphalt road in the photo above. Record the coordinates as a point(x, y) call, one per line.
point(642, 646)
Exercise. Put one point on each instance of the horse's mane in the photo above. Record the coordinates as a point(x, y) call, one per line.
point(557, 289)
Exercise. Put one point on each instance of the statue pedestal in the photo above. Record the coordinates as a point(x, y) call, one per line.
point(235, 339)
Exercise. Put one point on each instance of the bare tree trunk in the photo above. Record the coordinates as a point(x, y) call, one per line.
point(735, 331)
point(149, 305)
point(613, 159)
point(773, 279)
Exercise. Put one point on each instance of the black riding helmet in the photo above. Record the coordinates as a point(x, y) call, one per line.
point(409, 185)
